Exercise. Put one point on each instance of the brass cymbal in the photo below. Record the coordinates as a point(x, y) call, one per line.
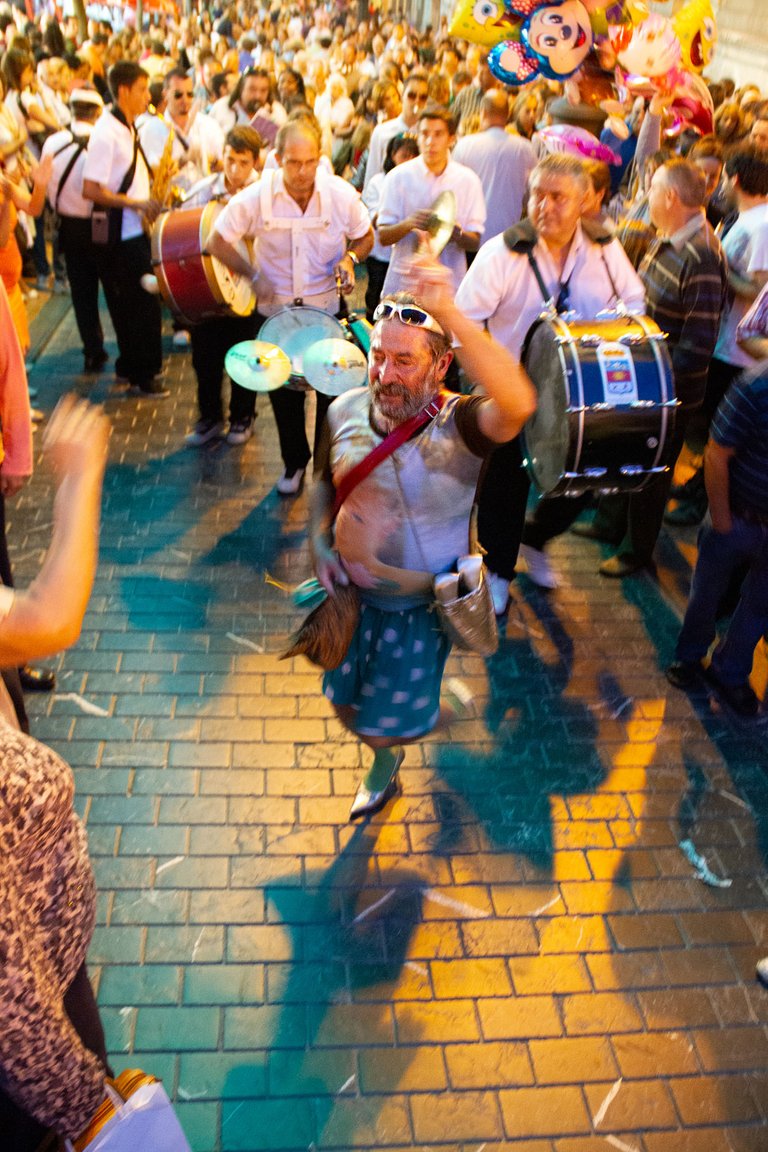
point(441, 222)
point(257, 366)
point(335, 366)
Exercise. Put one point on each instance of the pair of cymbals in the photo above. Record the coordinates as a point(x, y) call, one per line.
point(330, 366)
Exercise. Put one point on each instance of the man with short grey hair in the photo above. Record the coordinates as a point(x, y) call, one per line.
point(502, 161)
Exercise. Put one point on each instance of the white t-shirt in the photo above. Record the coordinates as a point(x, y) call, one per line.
point(746, 249)
point(372, 199)
point(62, 148)
point(205, 139)
point(334, 215)
point(500, 288)
point(503, 164)
point(410, 187)
point(109, 157)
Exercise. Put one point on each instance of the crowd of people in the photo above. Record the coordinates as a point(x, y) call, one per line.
point(325, 140)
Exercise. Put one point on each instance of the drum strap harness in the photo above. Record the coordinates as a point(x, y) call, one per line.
point(296, 226)
point(81, 143)
point(522, 238)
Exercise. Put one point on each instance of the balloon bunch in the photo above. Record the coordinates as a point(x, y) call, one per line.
point(607, 52)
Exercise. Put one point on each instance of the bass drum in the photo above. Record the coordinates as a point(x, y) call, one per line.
point(606, 405)
point(194, 285)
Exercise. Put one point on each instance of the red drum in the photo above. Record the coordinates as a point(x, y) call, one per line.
point(194, 285)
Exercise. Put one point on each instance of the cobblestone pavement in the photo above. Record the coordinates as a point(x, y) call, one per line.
point(516, 954)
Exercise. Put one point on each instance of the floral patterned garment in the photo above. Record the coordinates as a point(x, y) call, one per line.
point(47, 914)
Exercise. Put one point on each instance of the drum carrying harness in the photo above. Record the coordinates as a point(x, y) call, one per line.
point(522, 239)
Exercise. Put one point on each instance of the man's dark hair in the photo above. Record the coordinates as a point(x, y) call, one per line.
point(439, 112)
point(261, 72)
point(402, 140)
point(244, 139)
point(217, 83)
point(175, 74)
point(750, 164)
point(124, 74)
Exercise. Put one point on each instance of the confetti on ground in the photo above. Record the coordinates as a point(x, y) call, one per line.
point(611, 1096)
point(245, 642)
point(702, 869)
point(83, 704)
point(457, 905)
point(376, 904)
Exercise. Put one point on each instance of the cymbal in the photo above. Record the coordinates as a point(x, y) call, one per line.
point(441, 222)
point(335, 366)
point(257, 366)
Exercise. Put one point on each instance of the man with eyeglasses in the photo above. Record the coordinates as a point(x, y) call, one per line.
point(415, 97)
point(407, 520)
point(252, 97)
point(311, 231)
point(198, 141)
point(553, 256)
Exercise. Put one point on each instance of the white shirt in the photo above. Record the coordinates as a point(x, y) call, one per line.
point(109, 157)
point(343, 217)
point(503, 164)
point(62, 147)
point(205, 138)
point(746, 249)
point(229, 117)
point(410, 187)
point(372, 199)
point(377, 146)
point(212, 188)
point(500, 288)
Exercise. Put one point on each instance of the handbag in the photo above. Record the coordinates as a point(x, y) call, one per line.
point(468, 617)
point(327, 632)
point(137, 1114)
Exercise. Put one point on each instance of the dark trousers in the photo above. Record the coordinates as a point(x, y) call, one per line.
point(719, 379)
point(135, 313)
point(377, 271)
point(501, 508)
point(19, 1131)
point(288, 407)
point(632, 520)
point(11, 675)
point(83, 276)
point(211, 340)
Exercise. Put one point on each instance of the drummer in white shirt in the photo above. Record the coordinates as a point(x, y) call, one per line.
point(410, 190)
point(312, 229)
point(583, 269)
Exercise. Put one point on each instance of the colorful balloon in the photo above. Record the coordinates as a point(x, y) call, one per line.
point(577, 142)
point(696, 29)
point(555, 38)
point(653, 49)
point(484, 22)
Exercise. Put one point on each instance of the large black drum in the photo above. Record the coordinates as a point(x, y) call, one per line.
point(606, 404)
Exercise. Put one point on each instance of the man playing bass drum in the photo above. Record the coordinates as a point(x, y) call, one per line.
point(212, 339)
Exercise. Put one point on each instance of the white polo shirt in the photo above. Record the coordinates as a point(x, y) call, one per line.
point(500, 288)
point(377, 147)
point(410, 187)
point(109, 157)
point(334, 215)
point(503, 164)
point(62, 147)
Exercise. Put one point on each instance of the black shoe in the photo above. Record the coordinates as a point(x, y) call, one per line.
point(684, 673)
point(37, 679)
point(152, 388)
point(95, 363)
point(739, 697)
point(589, 530)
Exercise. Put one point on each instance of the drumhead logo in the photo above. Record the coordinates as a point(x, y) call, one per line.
point(617, 372)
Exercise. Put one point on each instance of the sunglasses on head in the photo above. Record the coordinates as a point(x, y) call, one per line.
point(408, 314)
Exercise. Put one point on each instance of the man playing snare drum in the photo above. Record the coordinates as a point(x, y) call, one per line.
point(311, 231)
point(552, 256)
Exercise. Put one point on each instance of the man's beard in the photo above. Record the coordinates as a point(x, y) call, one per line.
point(252, 107)
point(395, 403)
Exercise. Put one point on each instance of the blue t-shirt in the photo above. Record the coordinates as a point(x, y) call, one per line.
point(741, 423)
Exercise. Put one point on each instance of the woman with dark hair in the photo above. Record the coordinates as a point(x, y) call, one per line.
point(399, 149)
point(290, 88)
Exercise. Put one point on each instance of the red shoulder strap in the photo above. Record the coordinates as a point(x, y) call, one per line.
point(388, 445)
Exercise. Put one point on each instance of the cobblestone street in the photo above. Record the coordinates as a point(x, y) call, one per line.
point(517, 953)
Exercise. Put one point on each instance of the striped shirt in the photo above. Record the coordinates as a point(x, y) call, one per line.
point(685, 278)
point(741, 423)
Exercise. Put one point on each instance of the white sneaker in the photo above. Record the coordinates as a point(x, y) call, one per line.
point(240, 431)
point(181, 339)
point(203, 432)
point(539, 569)
point(289, 484)
point(499, 592)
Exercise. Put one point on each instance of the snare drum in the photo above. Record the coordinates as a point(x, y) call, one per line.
point(196, 286)
point(359, 331)
point(606, 404)
point(297, 329)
